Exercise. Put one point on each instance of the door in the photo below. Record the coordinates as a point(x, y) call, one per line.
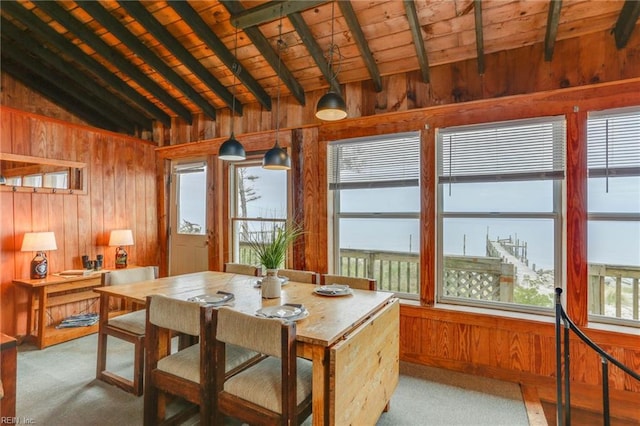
point(188, 247)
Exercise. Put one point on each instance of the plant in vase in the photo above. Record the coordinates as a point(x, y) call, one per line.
point(271, 249)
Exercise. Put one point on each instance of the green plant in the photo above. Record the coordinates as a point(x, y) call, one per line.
point(271, 246)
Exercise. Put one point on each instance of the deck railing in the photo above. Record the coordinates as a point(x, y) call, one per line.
point(613, 289)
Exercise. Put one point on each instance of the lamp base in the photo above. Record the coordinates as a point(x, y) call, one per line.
point(121, 258)
point(39, 266)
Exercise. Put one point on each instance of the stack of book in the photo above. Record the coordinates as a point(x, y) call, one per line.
point(80, 320)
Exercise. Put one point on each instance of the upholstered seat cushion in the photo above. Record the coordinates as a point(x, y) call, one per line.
point(133, 322)
point(186, 363)
point(261, 383)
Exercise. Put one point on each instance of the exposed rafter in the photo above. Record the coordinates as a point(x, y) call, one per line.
point(553, 20)
point(414, 24)
point(45, 32)
point(356, 31)
point(215, 44)
point(314, 50)
point(58, 96)
point(268, 52)
point(61, 15)
point(477, 11)
point(626, 22)
point(271, 11)
point(99, 13)
point(45, 58)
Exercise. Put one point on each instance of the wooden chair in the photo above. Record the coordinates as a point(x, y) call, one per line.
point(189, 372)
point(241, 268)
point(299, 276)
point(276, 390)
point(128, 327)
point(353, 282)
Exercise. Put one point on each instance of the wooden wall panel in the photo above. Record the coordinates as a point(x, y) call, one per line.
point(117, 166)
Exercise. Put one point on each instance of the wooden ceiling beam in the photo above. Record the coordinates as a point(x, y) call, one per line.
point(268, 52)
point(45, 32)
point(271, 11)
point(100, 14)
point(315, 51)
point(82, 81)
point(626, 22)
point(416, 34)
point(60, 97)
point(553, 20)
point(358, 36)
point(477, 11)
point(202, 30)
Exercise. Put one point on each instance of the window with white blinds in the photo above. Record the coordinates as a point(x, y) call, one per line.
point(506, 151)
point(375, 162)
point(614, 143)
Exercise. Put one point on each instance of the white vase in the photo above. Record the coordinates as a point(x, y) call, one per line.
point(270, 286)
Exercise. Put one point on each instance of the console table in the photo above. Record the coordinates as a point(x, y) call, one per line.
point(58, 290)
point(8, 368)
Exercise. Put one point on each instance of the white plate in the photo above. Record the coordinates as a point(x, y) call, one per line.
point(283, 281)
point(332, 290)
point(283, 312)
point(213, 299)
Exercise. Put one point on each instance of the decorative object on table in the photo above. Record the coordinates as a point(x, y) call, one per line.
point(85, 262)
point(39, 242)
point(120, 238)
point(99, 262)
point(271, 246)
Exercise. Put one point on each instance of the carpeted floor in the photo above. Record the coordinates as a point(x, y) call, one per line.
point(57, 386)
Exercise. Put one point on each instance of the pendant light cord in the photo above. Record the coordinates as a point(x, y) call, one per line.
point(333, 47)
point(234, 70)
point(279, 45)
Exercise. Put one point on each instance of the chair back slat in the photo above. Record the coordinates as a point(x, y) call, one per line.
point(174, 314)
point(299, 276)
point(129, 275)
point(241, 268)
point(251, 332)
point(353, 282)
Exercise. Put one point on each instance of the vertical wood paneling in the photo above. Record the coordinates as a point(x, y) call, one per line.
point(79, 221)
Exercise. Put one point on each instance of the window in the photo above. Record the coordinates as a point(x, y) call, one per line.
point(500, 213)
point(259, 205)
point(191, 184)
point(613, 140)
point(375, 185)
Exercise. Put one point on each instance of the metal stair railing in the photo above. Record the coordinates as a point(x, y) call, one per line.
point(563, 415)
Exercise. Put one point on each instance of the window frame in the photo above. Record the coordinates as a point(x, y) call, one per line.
point(336, 215)
point(557, 215)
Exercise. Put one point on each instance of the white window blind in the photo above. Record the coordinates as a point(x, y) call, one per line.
point(506, 151)
point(614, 143)
point(389, 161)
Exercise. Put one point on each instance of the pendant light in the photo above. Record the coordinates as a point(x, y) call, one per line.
point(232, 149)
point(277, 158)
point(331, 106)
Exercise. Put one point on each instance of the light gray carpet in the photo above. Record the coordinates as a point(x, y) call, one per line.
point(57, 386)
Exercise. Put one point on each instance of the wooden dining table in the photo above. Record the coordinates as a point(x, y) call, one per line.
point(352, 340)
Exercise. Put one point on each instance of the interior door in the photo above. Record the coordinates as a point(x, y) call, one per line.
point(188, 246)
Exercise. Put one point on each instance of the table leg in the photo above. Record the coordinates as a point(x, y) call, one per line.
point(42, 315)
point(102, 336)
point(320, 359)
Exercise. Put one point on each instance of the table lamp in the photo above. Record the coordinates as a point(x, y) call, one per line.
point(120, 238)
point(39, 242)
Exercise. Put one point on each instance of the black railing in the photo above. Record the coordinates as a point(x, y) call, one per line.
point(563, 414)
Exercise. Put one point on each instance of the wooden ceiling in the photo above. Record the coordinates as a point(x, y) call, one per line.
point(119, 65)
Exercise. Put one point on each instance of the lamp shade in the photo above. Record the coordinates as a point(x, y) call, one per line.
point(276, 159)
point(331, 107)
point(232, 150)
point(39, 241)
point(121, 237)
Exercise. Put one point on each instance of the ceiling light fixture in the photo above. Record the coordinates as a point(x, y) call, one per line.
point(331, 106)
point(277, 158)
point(232, 149)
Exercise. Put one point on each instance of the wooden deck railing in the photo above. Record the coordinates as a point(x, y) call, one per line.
point(614, 289)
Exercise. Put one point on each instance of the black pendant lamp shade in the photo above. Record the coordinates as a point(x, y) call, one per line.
point(276, 159)
point(232, 150)
point(331, 107)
